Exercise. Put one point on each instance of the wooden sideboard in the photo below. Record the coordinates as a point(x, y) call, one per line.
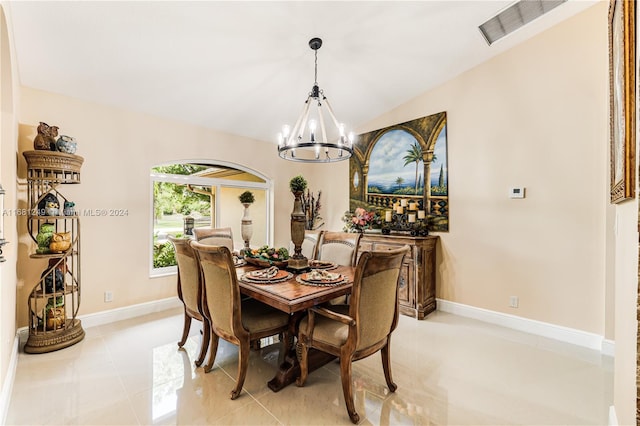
point(417, 294)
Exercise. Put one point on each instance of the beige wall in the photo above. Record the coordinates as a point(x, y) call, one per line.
point(535, 116)
point(119, 148)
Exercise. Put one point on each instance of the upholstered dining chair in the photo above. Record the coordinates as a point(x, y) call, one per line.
point(235, 320)
point(214, 237)
point(340, 248)
point(364, 328)
point(190, 292)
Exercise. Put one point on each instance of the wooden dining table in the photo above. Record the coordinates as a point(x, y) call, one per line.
point(294, 298)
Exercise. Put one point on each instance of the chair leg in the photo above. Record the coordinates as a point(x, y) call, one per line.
point(345, 376)
point(386, 365)
point(243, 366)
point(206, 337)
point(304, 362)
point(212, 350)
point(185, 329)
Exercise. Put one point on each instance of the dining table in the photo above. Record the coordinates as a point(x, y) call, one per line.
point(294, 296)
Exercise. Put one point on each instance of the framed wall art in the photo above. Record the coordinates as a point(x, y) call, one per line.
point(622, 46)
point(403, 163)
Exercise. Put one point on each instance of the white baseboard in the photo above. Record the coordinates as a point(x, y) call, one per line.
point(7, 385)
point(126, 312)
point(608, 347)
point(613, 417)
point(552, 331)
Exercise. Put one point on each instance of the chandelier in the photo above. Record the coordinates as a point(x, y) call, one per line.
point(312, 140)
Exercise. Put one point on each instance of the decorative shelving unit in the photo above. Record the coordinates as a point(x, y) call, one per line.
point(55, 299)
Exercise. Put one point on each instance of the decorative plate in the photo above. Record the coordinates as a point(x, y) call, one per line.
point(322, 264)
point(255, 278)
point(320, 278)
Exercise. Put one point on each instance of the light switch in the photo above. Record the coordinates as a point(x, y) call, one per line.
point(516, 192)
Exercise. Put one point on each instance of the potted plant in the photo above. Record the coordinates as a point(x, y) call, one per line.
point(298, 184)
point(247, 197)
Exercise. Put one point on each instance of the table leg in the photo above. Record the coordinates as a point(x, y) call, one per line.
point(289, 369)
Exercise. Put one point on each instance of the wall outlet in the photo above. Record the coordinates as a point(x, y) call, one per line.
point(108, 296)
point(513, 301)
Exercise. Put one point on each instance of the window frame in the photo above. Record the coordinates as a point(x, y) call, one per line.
point(218, 184)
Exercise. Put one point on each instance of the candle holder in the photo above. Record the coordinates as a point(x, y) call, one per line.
point(401, 219)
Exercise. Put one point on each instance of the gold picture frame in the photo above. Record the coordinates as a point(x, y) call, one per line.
point(622, 46)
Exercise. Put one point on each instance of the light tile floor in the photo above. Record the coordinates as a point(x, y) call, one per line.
point(449, 371)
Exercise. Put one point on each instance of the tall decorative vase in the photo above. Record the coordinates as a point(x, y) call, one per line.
point(298, 262)
point(246, 229)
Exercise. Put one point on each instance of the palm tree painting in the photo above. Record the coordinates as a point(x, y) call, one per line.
point(414, 155)
point(403, 161)
point(391, 169)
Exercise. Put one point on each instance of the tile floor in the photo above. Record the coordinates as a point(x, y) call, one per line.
point(449, 371)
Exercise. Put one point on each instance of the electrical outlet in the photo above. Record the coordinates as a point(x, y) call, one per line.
point(513, 301)
point(108, 296)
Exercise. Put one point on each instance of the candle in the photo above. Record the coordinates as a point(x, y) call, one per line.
point(387, 216)
point(412, 217)
point(413, 206)
point(420, 214)
point(403, 202)
point(399, 209)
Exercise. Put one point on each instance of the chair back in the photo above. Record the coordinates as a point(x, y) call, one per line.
point(188, 273)
point(214, 237)
point(339, 247)
point(309, 244)
point(221, 293)
point(374, 295)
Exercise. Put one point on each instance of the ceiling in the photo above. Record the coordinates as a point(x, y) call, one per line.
point(245, 67)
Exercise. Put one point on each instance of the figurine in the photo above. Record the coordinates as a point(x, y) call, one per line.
point(50, 276)
point(46, 137)
point(44, 238)
point(48, 201)
point(69, 208)
point(60, 242)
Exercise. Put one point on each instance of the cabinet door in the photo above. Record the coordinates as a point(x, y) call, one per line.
point(406, 290)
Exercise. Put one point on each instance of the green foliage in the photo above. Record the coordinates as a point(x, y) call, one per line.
point(179, 169)
point(164, 254)
point(270, 253)
point(172, 198)
point(298, 184)
point(246, 197)
point(374, 190)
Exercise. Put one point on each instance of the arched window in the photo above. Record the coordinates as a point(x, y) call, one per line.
point(201, 193)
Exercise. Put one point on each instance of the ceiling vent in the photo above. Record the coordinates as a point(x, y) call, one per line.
point(516, 16)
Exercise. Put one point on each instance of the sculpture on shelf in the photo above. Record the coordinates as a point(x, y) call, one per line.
point(54, 316)
point(46, 138)
point(66, 144)
point(44, 238)
point(69, 208)
point(46, 204)
point(53, 278)
point(60, 242)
